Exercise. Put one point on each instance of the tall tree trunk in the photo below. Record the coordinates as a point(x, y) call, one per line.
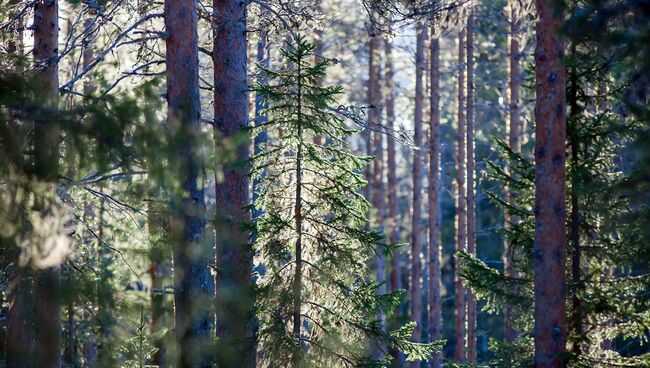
point(235, 290)
point(550, 189)
point(393, 211)
point(18, 338)
point(576, 313)
point(263, 59)
point(418, 156)
point(375, 116)
point(47, 315)
point(297, 279)
point(435, 248)
point(367, 133)
point(514, 141)
point(461, 208)
point(471, 194)
point(192, 281)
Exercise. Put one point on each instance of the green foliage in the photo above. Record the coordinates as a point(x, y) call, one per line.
point(309, 197)
point(602, 169)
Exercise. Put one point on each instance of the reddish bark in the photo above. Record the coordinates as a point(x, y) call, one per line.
point(514, 141)
point(416, 239)
point(461, 208)
point(193, 284)
point(550, 190)
point(435, 248)
point(235, 297)
point(471, 194)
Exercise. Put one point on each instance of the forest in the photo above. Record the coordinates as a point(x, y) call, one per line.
point(324, 183)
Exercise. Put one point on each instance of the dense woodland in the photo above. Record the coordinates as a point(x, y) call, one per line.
point(324, 183)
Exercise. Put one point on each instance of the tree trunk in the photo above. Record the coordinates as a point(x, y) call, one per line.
point(471, 194)
point(550, 190)
point(393, 211)
point(297, 279)
point(192, 281)
point(263, 59)
point(416, 239)
point(157, 225)
point(47, 315)
point(576, 313)
point(18, 340)
point(435, 249)
point(235, 290)
point(375, 116)
point(514, 141)
point(461, 208)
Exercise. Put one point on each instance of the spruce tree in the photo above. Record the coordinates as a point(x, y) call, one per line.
point(315, 304)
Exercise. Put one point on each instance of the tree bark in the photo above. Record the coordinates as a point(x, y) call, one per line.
point(471, 193)
point(416, 237)
point(193, 283)
point(393, 211)
point(514, 142)
point(550, 189)
point(576, 313)
point(375, 116)
point(297, 279)
point(235, 290)
point(435, 248)
point(47, 315)
point(461, 208)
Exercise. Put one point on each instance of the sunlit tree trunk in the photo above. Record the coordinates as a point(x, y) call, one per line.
point(514, 141)
point(550, 189)
point(471, 193)
point(235, 297)
point(461, 207)
point(193, 283)
point(418, 158)
point(435, 248)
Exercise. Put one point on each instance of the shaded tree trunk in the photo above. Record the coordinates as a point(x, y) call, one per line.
point(418, 157)
point(47, 314)
point(550, 190)
point(435, 248)
point(193, 283)
point(514, 141)
point(461, 208)
point(393, 211)
point(471, 193)
point(157, 225)
point(375, 116)
point(235, 291)
point(576, 304)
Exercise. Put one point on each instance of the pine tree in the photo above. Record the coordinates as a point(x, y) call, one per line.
point(316, 307)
